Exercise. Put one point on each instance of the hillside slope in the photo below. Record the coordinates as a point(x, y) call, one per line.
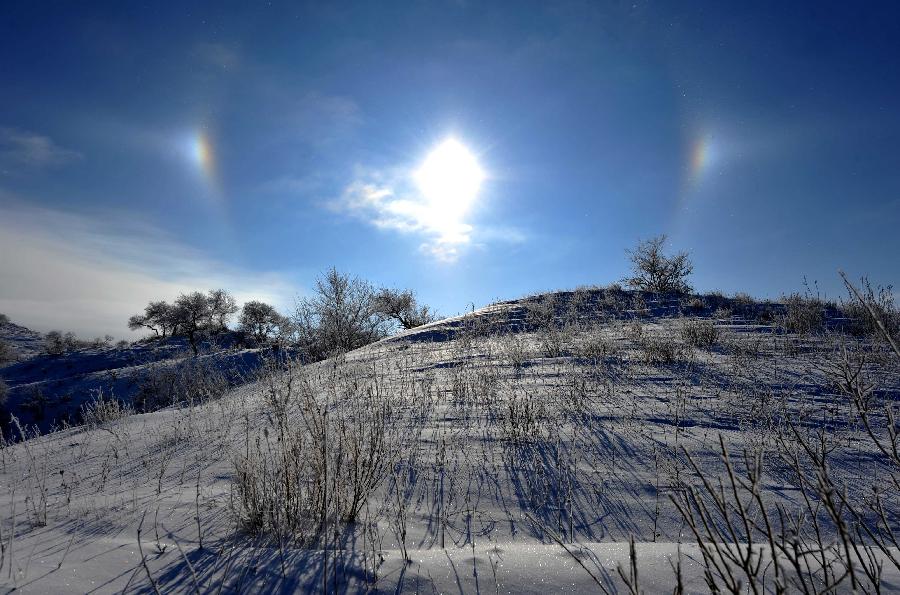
point(515, 449)
point(48, 391)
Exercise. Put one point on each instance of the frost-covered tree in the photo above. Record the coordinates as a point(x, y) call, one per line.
point(260, 320)
point(653, 271)
point(221, 308)
point(191, 313)
point(402, 307)
point(158, 317)
point(340, 316)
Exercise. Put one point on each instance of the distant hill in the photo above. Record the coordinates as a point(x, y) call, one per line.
point(25, 342)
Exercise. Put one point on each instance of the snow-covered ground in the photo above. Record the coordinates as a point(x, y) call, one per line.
point(509, 456)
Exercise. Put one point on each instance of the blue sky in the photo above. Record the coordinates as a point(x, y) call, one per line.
point(148, 150)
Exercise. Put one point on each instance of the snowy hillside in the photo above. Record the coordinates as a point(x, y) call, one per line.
point(48, 391)
point(25, 343)
point(517, 449)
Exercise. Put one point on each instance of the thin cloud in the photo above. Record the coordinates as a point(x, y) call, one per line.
point(25, 148)
point(389, 200)
point(64, 271)
point(380, 204)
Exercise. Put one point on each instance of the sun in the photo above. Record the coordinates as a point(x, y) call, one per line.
point(450, 178)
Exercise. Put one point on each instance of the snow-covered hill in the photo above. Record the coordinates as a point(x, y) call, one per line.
point(24, 342)
point(517, 449)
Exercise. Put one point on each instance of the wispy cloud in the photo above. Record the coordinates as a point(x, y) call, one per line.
point(389, 199)
point(394, 205)
point(67, 271)
point(29, 149)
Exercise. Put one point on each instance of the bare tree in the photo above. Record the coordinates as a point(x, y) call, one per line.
point(653, 271)
point(402, 307)
point(221, 308)
point(158, 317)
point(191, 313)
point(260, 320)
point(339, 317)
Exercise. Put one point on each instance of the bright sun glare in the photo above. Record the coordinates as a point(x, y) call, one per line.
point(450, 179)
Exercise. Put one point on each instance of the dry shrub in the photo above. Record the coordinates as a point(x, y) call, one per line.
point(540, 314)
point(330, 443)
point(766, 314)
point(595, 347)
point(102, 410)
point(524, 419)
point(190, 382)
point(881, 300)
point(714, 300)
point(662, 349)
point(515, 351)
point(473, 386)
point(36, 403)
point(693, 304)
point(273, 492)
point(803, 314)
point(614, 300)
point(472, 328)
point(553, 334)
point(723, 313)
point(700, 333)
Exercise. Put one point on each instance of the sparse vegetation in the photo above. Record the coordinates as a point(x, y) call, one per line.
point(881, 300)
point(190, 382)
point(102, 410)
point(57, 343)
